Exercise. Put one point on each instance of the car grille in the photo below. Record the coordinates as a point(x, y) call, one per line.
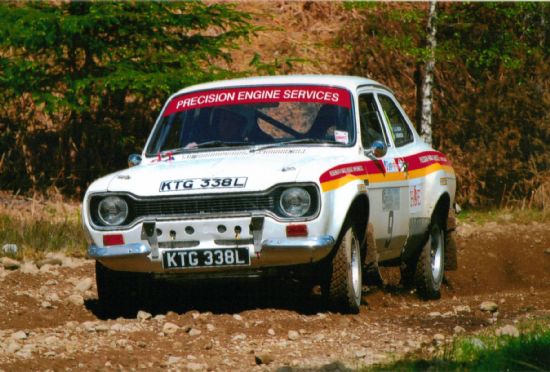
point(195, 206)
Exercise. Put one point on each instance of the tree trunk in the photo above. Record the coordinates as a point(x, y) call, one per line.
point(418, 83)
point(427, 84)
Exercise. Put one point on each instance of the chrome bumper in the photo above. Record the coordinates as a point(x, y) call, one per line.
point(299, 249)
point(273, 252)
point(134, 249)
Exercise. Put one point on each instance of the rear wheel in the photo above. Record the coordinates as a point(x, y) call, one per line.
point(430, 266)
point(343, 284)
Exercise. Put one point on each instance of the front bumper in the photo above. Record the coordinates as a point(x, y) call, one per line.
point(140, 257)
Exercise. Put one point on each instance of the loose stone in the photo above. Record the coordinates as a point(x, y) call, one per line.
point(293, 335)
point(143, 315)
point(84, 285)
point(10, 264)
point(488, 306)
point(508, 330)
point(194, 332)
point(263, 358)
point(169, 328)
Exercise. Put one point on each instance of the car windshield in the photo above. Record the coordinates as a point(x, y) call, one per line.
point(255, 116)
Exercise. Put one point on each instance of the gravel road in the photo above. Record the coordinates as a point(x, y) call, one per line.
point(50, 318)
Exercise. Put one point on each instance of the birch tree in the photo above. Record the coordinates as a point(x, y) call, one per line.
point(427, 83)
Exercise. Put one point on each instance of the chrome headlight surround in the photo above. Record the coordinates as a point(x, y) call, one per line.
point(112, 211)
point(295, 202)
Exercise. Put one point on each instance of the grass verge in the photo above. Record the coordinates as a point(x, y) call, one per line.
point(520, 216)
point(35, 238)
point(528, 352)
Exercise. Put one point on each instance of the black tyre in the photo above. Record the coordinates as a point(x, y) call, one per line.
point(118, 290)
point(343, 284)
point(430, 267)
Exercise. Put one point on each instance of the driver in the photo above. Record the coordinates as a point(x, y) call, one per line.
point(228, 126)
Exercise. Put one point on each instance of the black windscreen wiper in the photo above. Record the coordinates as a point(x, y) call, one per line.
point(217, 143)
point(313, 140)
point(204, 145)
point(297, 142)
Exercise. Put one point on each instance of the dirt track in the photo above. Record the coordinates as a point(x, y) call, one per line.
point(50, 318)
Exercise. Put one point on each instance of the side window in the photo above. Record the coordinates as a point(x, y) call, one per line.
point(400, 131)
point(370, 120)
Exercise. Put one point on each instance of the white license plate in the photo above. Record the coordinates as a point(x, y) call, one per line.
point(191, 258)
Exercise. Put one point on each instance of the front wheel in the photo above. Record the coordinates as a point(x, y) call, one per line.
point(430, 266)
point(343, 283)
point(122, 291)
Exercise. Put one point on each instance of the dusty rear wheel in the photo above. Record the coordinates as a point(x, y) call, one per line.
point(430, 266)
point(343, 284)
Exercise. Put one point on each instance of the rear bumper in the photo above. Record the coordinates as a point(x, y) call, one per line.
point(140, 257)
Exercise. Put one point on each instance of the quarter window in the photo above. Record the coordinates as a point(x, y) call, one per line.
point(400, 131)
point(370, 120)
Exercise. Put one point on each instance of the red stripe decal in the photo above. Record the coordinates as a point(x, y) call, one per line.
point(356, 169)
point(425, 159)
point(417, 161)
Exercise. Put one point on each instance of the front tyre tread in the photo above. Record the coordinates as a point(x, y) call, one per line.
point(344, 271)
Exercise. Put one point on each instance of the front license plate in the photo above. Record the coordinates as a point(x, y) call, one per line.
point(190, 258)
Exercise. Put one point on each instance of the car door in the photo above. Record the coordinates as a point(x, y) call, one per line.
point(387, 180)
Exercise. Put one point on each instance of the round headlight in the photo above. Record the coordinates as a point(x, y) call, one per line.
point(112, 210)
point(295, 202)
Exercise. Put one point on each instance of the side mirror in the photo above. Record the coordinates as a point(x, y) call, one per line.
point(133, 160)
point(378, 149)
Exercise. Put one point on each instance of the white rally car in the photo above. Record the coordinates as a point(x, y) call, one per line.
point(319, 177)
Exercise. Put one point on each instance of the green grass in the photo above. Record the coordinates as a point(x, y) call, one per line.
point(520, 216)
point(528, 352)
point(34, 238)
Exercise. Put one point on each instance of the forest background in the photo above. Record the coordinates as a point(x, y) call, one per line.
point(81, 83)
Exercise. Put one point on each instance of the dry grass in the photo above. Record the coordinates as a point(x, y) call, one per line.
point(41, 224)
point(52, 207)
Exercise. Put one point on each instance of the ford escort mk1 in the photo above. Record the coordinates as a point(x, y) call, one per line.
point(321, 178)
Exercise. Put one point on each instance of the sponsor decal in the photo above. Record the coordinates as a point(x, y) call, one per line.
point(264, 94)
point(202, 184)
point(432, 158)
point(390, 199)
point(415, 196)
point(394, 165)
point(341, 136)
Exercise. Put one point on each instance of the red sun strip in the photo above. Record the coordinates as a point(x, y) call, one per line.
point(264, 94)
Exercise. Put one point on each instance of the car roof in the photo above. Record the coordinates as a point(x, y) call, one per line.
point(342, 81)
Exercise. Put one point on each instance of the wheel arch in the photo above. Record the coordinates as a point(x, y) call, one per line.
point(359, 213)
point(441, 209)
point(419, 227)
